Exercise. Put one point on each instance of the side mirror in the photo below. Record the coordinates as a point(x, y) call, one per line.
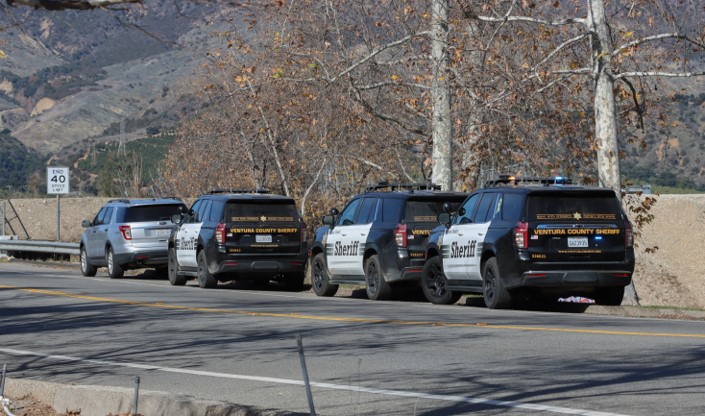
point(86, 223)
point(461, 211)
point(444, 218)
point(328, 220)
point(176, 219)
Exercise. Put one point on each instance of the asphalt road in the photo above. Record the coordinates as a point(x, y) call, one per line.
point(363, 357)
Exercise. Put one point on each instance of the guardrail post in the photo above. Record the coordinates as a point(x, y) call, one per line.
point(309, 396)
point(2, 383)
point(4, 217)
point(137, 394)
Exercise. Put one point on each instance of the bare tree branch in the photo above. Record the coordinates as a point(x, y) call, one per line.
point(376, 52)
point(661, 36)
point(560, 47)
point(562, 22)
point(392, 83)
point(659, 74)
point(70, 4)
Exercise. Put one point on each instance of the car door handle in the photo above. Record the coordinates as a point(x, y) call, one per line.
point(363, 234)
point(461, 234)
point(343, 234)
point(480, 234)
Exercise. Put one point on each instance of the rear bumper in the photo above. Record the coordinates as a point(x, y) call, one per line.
point(403, 265)
point(140, 259)
point(575, 278)
point(254, 266)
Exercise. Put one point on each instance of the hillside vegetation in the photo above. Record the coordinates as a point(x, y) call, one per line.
point(232, 92)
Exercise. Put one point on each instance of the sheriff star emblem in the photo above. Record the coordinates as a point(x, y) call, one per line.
point(263, 218)
point(577, 216)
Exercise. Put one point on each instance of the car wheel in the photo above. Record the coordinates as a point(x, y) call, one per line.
point(114, 269)
point(377, 287)
point(173, 270)
point(496, 295)
point(609, 296)
point(87, 269)
point(434, 283)
point(320, 278)
point(205, 279)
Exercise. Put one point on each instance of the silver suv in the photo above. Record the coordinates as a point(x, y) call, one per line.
point(129, 234)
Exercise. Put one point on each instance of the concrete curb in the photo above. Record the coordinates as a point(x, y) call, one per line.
point(102, 401)
point(646, 312)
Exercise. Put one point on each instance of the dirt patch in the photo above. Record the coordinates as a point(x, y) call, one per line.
point(31, 406)
point(672, 275)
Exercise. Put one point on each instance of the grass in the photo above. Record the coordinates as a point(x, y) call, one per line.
point(658, 189)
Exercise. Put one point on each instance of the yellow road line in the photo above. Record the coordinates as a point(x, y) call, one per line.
point(351, 319)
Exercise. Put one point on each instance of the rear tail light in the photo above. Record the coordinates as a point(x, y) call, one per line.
point(521, 235)
point(628, 234)
point(220, 233)
point(400, 235)
point(304, 233)
point(126, 231)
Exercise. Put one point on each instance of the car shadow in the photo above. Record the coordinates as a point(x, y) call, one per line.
point(525, 305)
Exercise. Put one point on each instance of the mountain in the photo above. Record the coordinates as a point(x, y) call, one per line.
point(71, 75)
point(74, 79)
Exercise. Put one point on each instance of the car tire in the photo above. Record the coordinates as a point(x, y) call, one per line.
point(320, 278)
point(434, 284)
point(377, 288)
point(205, 279)
point(609, 296)
point(175, 278)
point(495, 293)
point(87, 269)
point(114, 269)
point(294, 282)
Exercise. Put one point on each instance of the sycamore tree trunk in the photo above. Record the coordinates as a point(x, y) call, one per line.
point(441, 124)
point(605, 113)
point(605, 117)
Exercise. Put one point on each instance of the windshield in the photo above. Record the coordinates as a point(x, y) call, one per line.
point(573, 207)
point(428, 210)
point(151, 213)
point(257, 211)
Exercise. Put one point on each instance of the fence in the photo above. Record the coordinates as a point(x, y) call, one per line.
point(36, 246)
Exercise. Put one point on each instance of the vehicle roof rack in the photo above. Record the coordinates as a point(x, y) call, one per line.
point(239, 191)
point(396, 186)
point(508, 180)
point(121, 200)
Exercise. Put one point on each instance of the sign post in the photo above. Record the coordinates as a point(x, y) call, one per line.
point(57, 184)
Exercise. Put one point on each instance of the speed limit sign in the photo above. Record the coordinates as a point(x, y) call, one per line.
point(57, 180)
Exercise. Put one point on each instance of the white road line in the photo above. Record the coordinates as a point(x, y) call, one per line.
point(358, 389)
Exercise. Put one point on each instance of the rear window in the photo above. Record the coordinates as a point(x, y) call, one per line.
point(151, 213)
point(428, 210)
point(573, 207)
point(257, 211)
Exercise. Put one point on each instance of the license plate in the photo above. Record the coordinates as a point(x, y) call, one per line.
point(578, 242)
point(263, 238)
point(162, 233)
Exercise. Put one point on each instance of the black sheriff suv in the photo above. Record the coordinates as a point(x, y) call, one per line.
point(378, 239)
point(531, 238)
point(239, 235)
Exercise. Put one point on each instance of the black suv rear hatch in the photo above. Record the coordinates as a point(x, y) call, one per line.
point(262, 226)
point(421, 216)
point(585, 225)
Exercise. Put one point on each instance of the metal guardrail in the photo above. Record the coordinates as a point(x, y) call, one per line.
point(36, 246)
